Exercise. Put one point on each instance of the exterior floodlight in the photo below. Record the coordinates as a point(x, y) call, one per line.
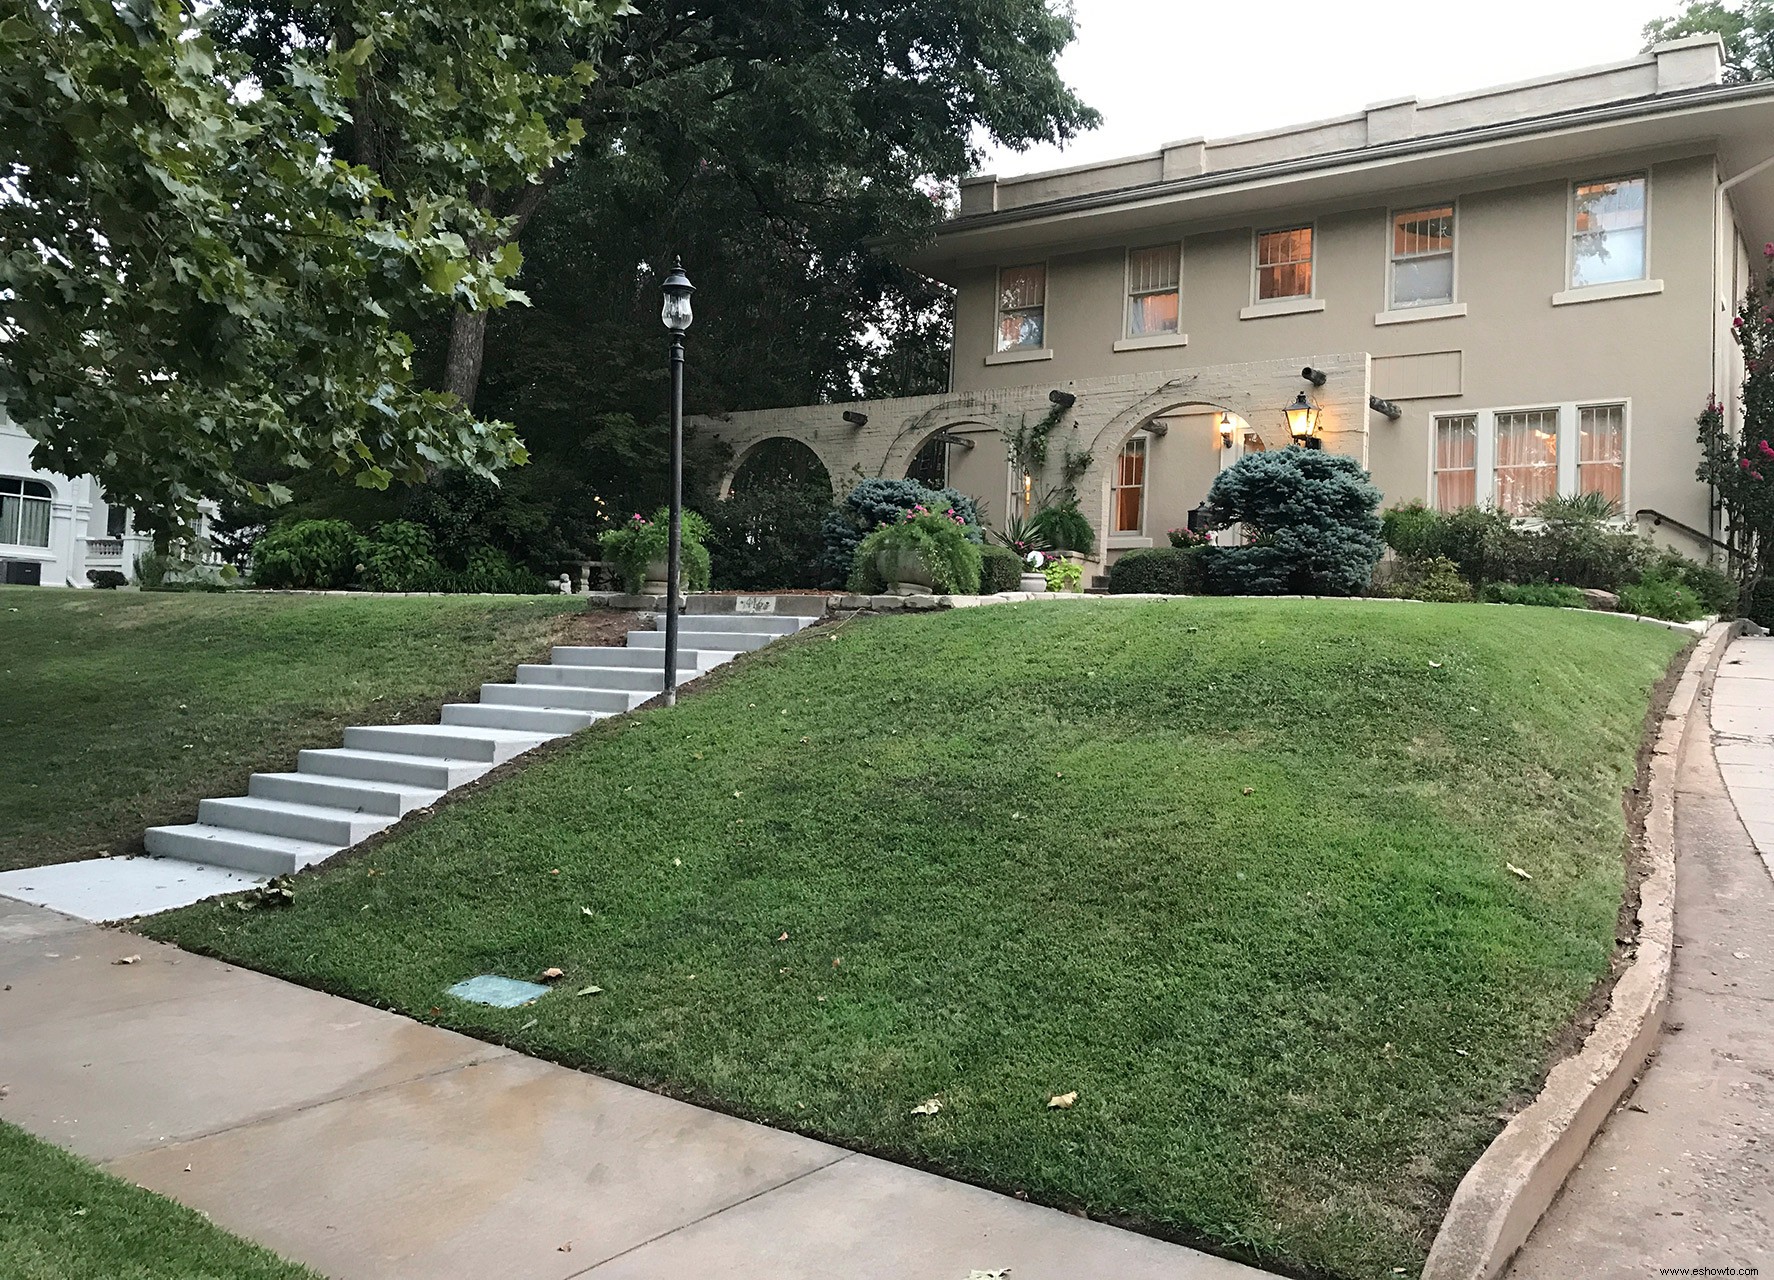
point(676, 313)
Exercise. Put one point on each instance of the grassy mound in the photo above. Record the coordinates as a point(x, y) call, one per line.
point(122, 710)
point(1234, 872)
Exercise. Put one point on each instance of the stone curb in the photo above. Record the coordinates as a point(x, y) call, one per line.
point(1503, 1196)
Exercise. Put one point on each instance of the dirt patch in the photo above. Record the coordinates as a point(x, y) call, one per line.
point(595, 627)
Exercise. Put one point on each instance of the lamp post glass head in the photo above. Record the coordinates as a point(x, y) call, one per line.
point(1302, 419)
point(677, 289)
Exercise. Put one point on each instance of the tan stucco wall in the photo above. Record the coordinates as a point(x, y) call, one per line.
point(1517, 348)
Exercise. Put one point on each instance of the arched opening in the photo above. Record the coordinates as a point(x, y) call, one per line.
point(778, 463)
point(1157, 470)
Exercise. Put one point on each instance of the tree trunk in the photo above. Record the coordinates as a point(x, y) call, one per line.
point(468, 348)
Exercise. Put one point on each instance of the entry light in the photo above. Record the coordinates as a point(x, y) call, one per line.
point(676, 312)
point(1302, 422)
point(1224, 426)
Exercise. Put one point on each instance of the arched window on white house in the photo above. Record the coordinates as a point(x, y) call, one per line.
point(24, 512)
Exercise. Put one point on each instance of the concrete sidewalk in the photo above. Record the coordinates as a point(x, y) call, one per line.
point(1683, 1174)
point(369, 1145)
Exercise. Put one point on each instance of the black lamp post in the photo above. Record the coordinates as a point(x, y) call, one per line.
point(677, 316)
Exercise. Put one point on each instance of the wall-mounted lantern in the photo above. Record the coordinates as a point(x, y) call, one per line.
point(1302, 422)
point(1223, 424)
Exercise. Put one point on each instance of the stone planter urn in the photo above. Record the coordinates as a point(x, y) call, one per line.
point(658, 573)
point(904, 572)
point(1034, 583)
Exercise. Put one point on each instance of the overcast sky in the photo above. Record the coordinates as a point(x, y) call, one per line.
point(1162, 70)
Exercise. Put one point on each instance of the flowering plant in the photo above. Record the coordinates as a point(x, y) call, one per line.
point(1740, 465)
point(1187, 538)
point(940, 543)
point(639, 542)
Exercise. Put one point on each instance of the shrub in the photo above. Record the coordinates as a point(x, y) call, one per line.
point(399, 556)
point(941, 544)
point(489, 571)
point(1759, 606)
point(1435, 579)
point(1161, 571)
point(1544, 595)
point(1656, 596)
point(1311, 516)
point(106, 579)
point(641, 542)
point(877, 503)
point(1064, 528)
point(1000, 569)
point(305, 555)
point(769, 537)
point(1717, 590)
point(1062, 574)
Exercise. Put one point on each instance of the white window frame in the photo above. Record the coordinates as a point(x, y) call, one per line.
point(1261, 307)
point(22, 497)
point(1144, 438)
point(1397, 313)
point(1478, 430)
point(1129, 341)
point(1016, 355)
point(1569, 444)
point(1644, 284)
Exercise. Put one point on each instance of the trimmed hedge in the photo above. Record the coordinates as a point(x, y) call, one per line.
point(1000, 569)
point(1165, 571)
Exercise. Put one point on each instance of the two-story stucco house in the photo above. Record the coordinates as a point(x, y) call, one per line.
point(1503, 295)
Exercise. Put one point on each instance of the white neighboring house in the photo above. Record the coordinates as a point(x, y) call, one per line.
point(54, 530)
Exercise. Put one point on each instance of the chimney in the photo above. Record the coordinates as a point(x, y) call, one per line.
point(1186, 159)
point(979, 194)
point(1691, 63)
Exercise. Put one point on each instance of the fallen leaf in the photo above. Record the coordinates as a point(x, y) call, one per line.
point(783, 937)
point(589, 991)
point(528, 1025)
point(549, 975)
point(1518, 871)
point(928, 1107)
point(1462, 1053)
point(187, 1168)
point(565, 1248)
point(1250, 791)
point(677, 862)
point(584, 911)
point(1436, 665)
point(128, 960)
point(999, 1274)
point(836, 961)
point(1061, 1101)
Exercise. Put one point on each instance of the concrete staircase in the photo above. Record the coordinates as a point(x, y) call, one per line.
point(339, 796)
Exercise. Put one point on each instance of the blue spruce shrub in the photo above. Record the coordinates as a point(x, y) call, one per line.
point(1313, 520)
point(875, 503)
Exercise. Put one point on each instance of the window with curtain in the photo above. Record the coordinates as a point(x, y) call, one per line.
point(1601, 450)
point(1022, 308)
point(1127, 497)
point(24, 512)
point(1284, 264)
point(1154, 291)
point(1456, 462)
point(1608, 232)
point(1527, 459)
point(1423, 257)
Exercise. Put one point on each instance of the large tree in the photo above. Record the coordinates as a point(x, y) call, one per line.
point(191, 273)
point(1747, 27)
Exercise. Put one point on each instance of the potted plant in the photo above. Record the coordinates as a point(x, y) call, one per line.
point(921, 554)
point(1065, 529)
point(639, 549)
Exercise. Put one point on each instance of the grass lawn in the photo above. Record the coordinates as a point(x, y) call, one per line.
point(64, 1219)
point(121, 710)
point(1234, 872)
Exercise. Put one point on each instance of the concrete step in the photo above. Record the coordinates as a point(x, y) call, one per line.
point(318, 823)
point(453, 742)
point(774, 624)
point(702, 659)
point(731, 641)
point(253, 851)
point(343, 793)
point(432, 773)
point(643, 679)
point(496, 715)
point(571, 697)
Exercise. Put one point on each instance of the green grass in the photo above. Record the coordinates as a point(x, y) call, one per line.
point(64, 1219)
point(123, 709)
point(1014, 856)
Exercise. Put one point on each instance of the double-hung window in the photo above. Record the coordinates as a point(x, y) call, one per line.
point(1284, 264)
point(24, 512)
point(1154, 291)
point(1527, 460)
point(1423, 257)
point(1608, 223)
point(1456, 462)
point(1022, 308)
point(1127, 492)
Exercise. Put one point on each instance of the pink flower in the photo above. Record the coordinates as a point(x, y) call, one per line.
point(1766, 448)
point(1768, 249)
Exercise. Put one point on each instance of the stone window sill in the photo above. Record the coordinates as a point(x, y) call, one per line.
point(1018, 357)
point(1128, 542)
point(1281, 307)
point(1409, 315)
point(1153, 342)
point(1607, 292)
